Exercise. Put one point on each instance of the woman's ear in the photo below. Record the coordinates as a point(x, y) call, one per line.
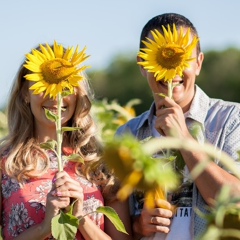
point(26, 100)
point(142, 70)
point(199, 63)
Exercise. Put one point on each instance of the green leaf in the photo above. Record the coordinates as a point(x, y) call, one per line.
point(51, 116)
point(66, 93)
point(179, 162)
point(70, 129)
point(49, 145)
point(212, 233)
point(111, 214)
point(161, 95)
point(1, 238)
point(64, 226)
point(74, 158)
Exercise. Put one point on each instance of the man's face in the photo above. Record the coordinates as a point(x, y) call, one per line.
point(184, 92)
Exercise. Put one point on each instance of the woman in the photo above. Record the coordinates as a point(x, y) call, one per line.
point(33, 189)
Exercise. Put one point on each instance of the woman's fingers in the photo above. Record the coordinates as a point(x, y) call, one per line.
point(70, 191)
point(65, 186)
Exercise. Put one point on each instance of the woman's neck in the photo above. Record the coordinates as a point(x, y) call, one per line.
point(45, 134)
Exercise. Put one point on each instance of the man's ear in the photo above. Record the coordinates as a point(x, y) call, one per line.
point(142, 70)
point(199, 63)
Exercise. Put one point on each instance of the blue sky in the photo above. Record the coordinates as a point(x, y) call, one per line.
point(106, 27)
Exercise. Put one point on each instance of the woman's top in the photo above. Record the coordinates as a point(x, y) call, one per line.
point(23, 207)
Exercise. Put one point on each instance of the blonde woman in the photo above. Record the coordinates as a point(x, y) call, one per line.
point(33, 190)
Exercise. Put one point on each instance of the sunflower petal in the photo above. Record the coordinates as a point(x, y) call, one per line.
point(45, 52)
point(55, 68)
point(68, 54)
point(167, 54)
point(32, 67)
point(58, 50)
point(35, 77)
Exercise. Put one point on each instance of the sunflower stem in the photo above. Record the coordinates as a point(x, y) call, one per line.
point(59, 132)
point(170, 89)
point(170, 95)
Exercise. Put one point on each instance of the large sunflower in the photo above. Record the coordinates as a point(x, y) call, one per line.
point(54, 69)
point(137, 170)
point(168, 54)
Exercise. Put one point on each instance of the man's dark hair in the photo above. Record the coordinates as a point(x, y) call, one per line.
point(168, 19)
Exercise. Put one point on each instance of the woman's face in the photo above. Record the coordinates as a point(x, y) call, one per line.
point(38, 105)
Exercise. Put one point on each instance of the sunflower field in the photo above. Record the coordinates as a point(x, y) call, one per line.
point(223, 219)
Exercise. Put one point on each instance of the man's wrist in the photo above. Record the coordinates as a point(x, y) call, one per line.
point(137, 228)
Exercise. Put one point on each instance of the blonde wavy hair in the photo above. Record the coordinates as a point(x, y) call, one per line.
point(24, 154)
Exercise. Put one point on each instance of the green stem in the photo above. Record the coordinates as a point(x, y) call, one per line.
point(170, 89)
point(59, 132)
point(156, 144)
point(82, 217)
point(170, 94)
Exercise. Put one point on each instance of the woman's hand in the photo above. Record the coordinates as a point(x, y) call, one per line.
point(64, 188)
point(68, 190)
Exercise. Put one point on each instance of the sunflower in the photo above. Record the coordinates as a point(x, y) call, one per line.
point(55, 69)
point(168, 54)
point(137, 170)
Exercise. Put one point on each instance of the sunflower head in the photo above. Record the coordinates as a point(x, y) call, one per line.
point(168, 54)
point(135, 168)
point(55, 69)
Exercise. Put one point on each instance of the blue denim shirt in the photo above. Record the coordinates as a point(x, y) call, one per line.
point(220, 123)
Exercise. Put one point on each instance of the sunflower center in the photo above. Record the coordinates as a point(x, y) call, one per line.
point(57, 70)
point(170, 56)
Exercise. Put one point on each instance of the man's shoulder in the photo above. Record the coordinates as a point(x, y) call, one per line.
point(222, 113)
point(221, 105)
point(134, 124)
point(213, 105)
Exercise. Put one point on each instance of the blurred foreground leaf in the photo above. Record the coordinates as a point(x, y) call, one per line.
point(224, 218)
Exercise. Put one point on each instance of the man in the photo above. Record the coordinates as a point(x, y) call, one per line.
point(219, 123)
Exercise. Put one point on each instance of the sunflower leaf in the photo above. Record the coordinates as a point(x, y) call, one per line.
point(161, 95)
point(49, 145)
point(75, 158)
point(51, 116)
point(66, 93)
point(1, 238)
point(64, 226)
point(70, 129)
point(113, 217)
